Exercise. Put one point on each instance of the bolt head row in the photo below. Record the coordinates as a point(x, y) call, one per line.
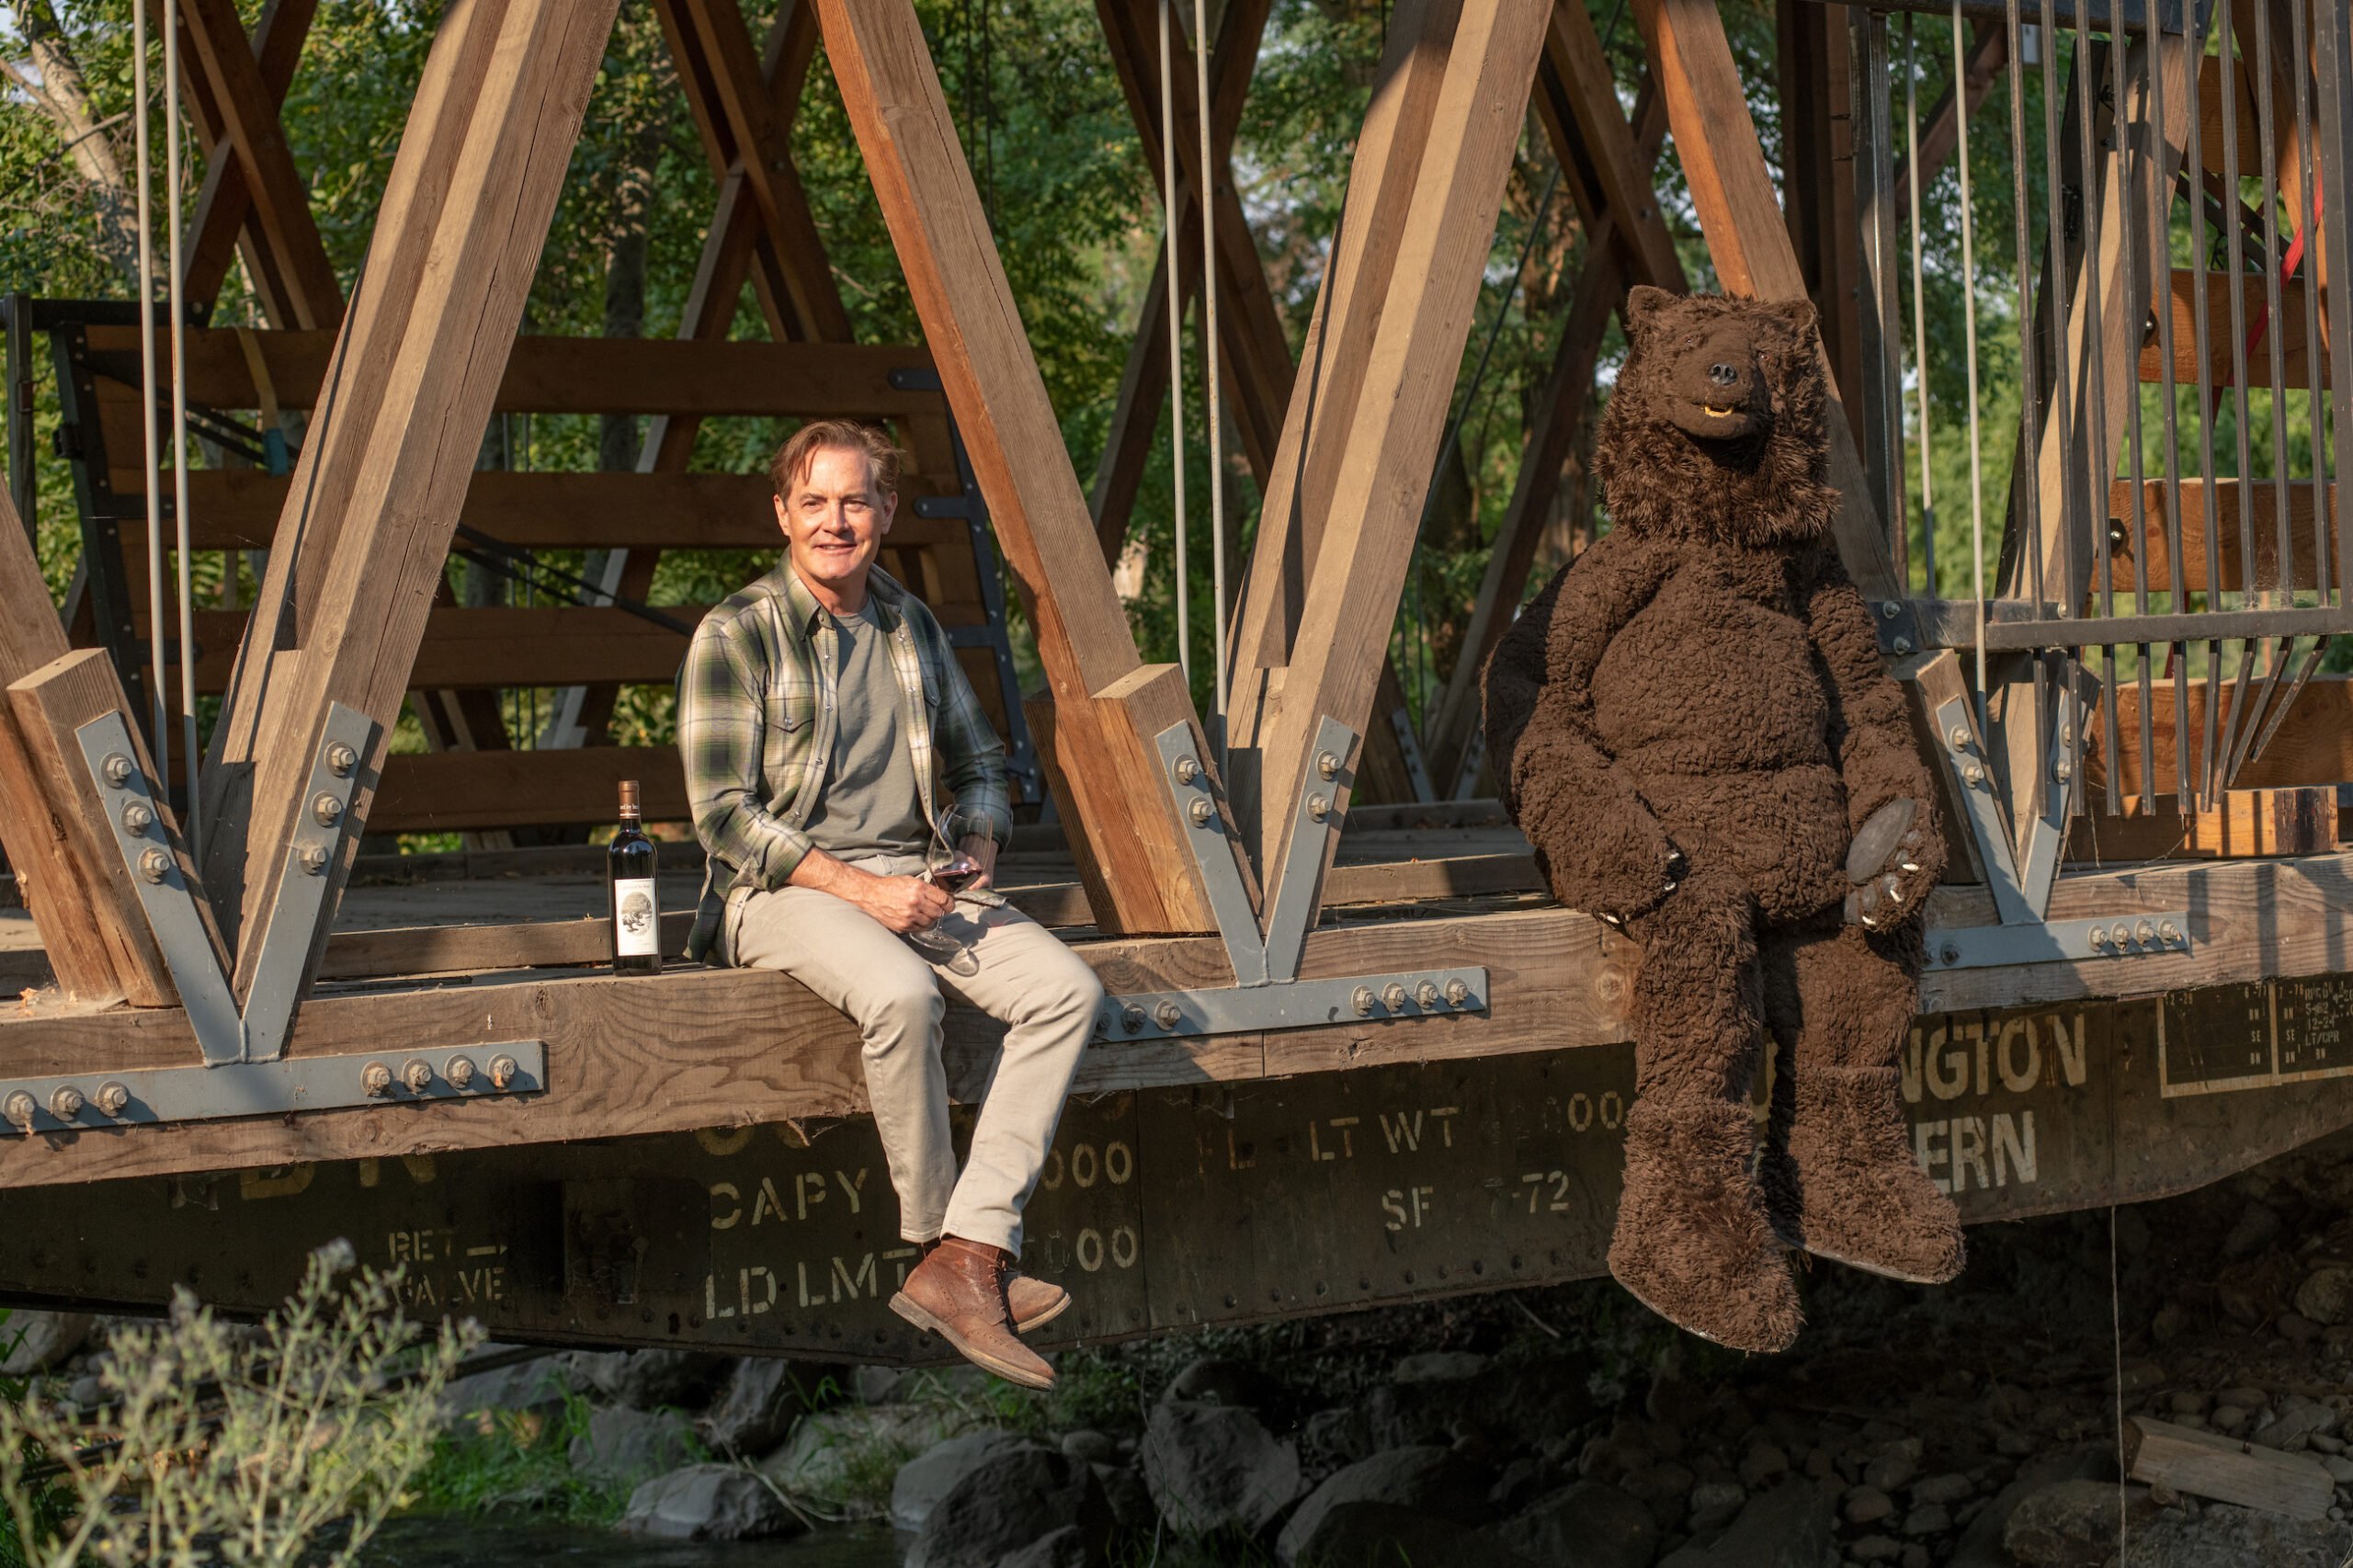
point(416, 1074)
point(65, 1103)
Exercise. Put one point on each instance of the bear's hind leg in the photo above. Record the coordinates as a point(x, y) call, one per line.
point(1840, 1178)
point(1693, 1241)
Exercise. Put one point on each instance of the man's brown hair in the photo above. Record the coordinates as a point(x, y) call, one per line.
point(790, 464)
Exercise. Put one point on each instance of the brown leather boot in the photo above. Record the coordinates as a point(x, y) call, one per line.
point(1029, 1303)
point(957, 1293)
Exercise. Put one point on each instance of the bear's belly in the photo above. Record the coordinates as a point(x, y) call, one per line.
point(1783, 832)
point(1704, 681)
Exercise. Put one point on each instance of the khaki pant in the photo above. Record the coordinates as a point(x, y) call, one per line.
point(1028, 978)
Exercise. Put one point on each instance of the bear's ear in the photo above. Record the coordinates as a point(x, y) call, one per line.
point(1641, 302)
point(1799, 313)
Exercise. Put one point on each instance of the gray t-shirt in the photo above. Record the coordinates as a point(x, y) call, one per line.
point(871, 804)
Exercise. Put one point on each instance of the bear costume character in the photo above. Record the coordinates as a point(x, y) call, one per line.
point(1692, 726)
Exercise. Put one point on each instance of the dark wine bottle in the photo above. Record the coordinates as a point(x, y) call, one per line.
point(629, 883)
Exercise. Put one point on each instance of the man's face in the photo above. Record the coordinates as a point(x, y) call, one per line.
point(834, 520)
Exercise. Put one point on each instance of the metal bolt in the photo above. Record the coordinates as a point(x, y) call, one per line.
point(2120, 935)
point(503, 1069)
point(1902, 645)
point(1319, 807)
point(1457, 992)
point(2099, 939)
point(1362, 1001)
point(314, 859)
point(1392, 996)
point(117, 769)
point(459, 1071)
point(1975, 773)
point(1425, 994)
point(113, 1098)
point(417, 1074)
point(1167, 1015)
point(1891, 610)
point(1950, 953)
point(326, 809)
point(1132, 1018)
point(154, 865)
point(341, 760)
point(2170, 931)
point(2144, 934)
point(136, 818)
point(1200, 810)
point(66, 1103)
point(1957, 737)
point(21, 1109)
point(1188, 770)
point(2062, 770)
point(375, 1078)
point(1326, 766)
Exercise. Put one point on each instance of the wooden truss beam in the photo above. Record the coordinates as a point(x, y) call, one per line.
point(1407, 386)
point(1104, 706)
point(362, 544)
point(253, 197)
point(1707, 106)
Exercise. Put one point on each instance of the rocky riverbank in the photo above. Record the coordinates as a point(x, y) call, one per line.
point(1974, 1425)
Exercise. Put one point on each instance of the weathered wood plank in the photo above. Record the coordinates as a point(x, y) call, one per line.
point(1097, 747)
point(219, 230)
point(2226, 1469)
point(453, 791)
point(1408, 385)
point(2222, 367)
point(2313, 745)
point(2196, 571)
point(1623, 154)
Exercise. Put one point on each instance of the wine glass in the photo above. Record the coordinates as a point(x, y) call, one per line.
point(947, 865)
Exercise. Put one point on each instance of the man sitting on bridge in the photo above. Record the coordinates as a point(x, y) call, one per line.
point(817, 711)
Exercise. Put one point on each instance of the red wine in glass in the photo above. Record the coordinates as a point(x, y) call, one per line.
point(956, 875)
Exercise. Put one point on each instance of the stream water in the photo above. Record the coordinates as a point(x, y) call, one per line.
point(420, 1542)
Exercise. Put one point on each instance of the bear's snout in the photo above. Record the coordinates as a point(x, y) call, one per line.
point(1716, 390)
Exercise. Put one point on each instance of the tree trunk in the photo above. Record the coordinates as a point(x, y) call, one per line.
point(57, 86)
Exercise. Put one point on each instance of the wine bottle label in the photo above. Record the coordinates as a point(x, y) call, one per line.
point(637, 918)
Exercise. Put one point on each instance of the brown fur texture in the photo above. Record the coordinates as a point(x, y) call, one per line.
point(1690, 723)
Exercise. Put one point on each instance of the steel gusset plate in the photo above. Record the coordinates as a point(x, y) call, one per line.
point(237, 1089)
point(1203, 824)
point(2139, 934)
point(305, 877)
point(1304, 1003)
point(1310, 842)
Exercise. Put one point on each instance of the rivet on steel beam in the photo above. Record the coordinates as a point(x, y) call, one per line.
point(326, 810)
point(375, 1078)
point(1132, 1018)
point(136, 818)
point(459, 1071)
point(21, 1109)
point(417, 1073)
point(1392, 996)
point(117, 769)
point(341, 760)
point(1951, 952)
point(1427, 994)
point(1200, 810)
point(1457, 992)
point(1167, 1015)
point(2170, 931)
point(1891, 610)
point(314, 859)
point(154, 865)
point(1902, 645)
point(65, 1104)
point(502, 1071)
point(1362, 1001)
point(1327, 766)
point(1319, 807)
point(1187, 770)
point(113, 1098)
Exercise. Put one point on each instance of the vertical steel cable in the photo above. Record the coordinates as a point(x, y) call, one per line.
point(1968, 320)
point(2029, 491)
point(1919, 308)
point(159, 733)
point(1206, 200)
point(1168, 206)
point(191, 821)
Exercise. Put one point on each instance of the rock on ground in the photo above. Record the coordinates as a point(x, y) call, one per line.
point(1426, 1480)
point(529, 1386)
point(1364, 1534)
point(1981, 1543)
point(41, 1339)
point(648, 1380)
point(1442, 1396)
point(2071, 1524)
point(2220, 1536)
point(708, 1501)
point(1009, 1504)
point(818, 1456)
point(1212, 1466)
point(756, 1407)
point(1065, 1548)
point(1585, 1526)
point(622, 1444)
point(1790, 1526)
point(924, 1479)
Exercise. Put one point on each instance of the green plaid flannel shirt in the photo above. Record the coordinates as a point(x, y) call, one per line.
point(756, 734)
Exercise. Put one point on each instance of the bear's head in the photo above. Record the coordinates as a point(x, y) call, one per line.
point(1718, 425)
